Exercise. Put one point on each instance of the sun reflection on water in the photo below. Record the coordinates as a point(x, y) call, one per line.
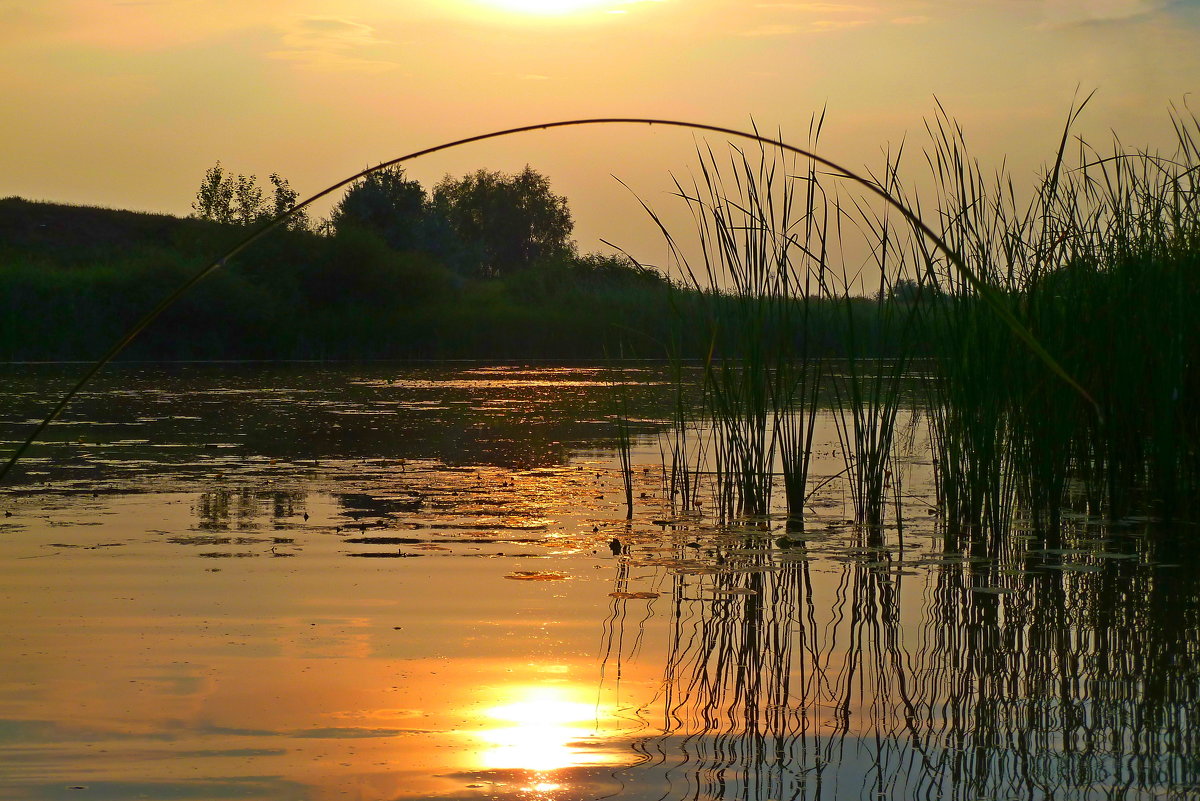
point(539, 731)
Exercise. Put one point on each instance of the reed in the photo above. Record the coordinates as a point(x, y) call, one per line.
point(775, 310)
point(1100, 267)
point(741, 265)
point(682, 446)
point(625, 447)
point(868, 390)
point(1089, 279)
point(758, 270)
point(800, 368)
point(968, 413)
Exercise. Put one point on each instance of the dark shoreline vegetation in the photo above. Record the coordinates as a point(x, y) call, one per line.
point(75, 279)
point(1100, 267)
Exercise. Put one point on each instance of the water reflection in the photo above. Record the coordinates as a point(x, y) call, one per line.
point(240, 508)
point(670, 657)
point(539, 731)
point(1069, 673)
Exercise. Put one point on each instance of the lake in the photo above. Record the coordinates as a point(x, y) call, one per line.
point(412, 582)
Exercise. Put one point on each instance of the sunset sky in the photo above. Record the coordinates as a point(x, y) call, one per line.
point(125, 103)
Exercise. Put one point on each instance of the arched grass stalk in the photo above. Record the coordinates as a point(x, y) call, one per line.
point(999, 307)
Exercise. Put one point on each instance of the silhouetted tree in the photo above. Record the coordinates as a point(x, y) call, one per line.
point(236, 199)
point(389, 204)
point(247, 200)
point(283, 198)
point(214, 200)
point(906, 290)
point(512, 220)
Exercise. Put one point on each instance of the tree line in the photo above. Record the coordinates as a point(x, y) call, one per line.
point(485, 224)
point(481, 266)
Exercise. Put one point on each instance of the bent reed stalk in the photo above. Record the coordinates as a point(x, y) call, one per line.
point(1099, 269)
point(1018, 329)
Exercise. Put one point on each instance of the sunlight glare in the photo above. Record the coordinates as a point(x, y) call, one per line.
point(543, 708)
point(540, 730)
point(546, 7)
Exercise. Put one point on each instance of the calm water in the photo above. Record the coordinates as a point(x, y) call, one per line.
point(386, 583)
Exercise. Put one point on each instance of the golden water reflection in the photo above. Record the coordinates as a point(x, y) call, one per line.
point(543, 730)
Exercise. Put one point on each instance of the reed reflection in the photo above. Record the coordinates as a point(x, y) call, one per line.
point(1066, 673)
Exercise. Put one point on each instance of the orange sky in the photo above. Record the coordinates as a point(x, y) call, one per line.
point(125, 103)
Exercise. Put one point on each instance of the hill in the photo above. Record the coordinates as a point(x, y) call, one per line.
point(32, 226)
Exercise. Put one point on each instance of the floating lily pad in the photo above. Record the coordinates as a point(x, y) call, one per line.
point(697, 571)
point(644, 595)
point(537, 575)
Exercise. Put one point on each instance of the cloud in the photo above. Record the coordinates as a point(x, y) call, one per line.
point(325, 61)
point(786, 18)
point(331, 44)
point(825, 25)
point(772, 30)
point(1065, 13)
point(329, 33)
point(818, 8)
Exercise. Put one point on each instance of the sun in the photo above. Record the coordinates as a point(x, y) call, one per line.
point(547, 7)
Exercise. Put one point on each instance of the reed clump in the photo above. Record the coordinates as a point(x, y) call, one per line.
point(755, 288)
point(1100, 267)
point(1057, 331)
